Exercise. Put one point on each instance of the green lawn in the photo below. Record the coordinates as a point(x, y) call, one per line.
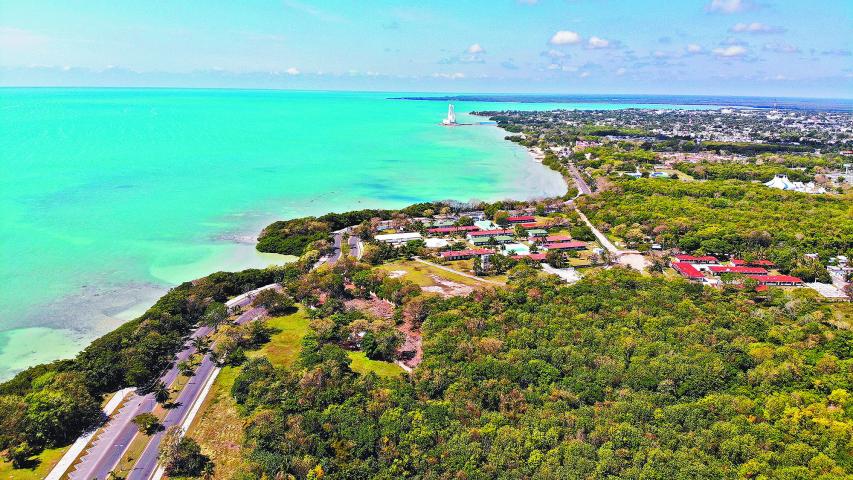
point(364, 365)
point(283, 347)
point(46, 460)
point(421, 273)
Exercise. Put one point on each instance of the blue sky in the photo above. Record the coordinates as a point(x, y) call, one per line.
point(736, 47)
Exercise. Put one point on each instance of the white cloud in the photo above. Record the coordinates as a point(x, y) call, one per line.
point(565, 37)
point(597, 42)
point(727, 6)
point(293, 71)
point(730, 51)
point(781, 48)
point(693, 48)
point(584, 74)
point(16, 38)
point(475, 49)
point(621, 71)
point(755, 27)
point(450, 76)
point(555, 53)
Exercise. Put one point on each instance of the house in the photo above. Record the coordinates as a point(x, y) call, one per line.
point(534, 257)
point(521, 219)
point(442, 223)
point(537, 232)
point(753, 263)
point(448, 230)
point(721, 269)
point(398, 238)
point(554, 239)
point(465, 254)
point(705, 260)
point(571, 245)
point(687, 271)
point(488, 233)
point(481, 241)
point(778, 280)
point(504, 239)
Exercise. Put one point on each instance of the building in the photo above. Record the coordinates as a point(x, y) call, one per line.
point(721, 269)
point(448, 230)
point(534, 257)
point(537, 233)
point(555, 239)
point(753, 263)
point(465, 254)
point(451, 116)
point(778, 280)
point(521, 219)
point(501, 239)
point(687, 271)
point(398, 238)
point(571, 245)
point(782, 182)
point(488, 233)
point(704, 260)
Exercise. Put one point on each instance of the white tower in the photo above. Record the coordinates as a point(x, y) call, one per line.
point(451, 116)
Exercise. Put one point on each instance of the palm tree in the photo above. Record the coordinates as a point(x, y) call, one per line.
point(201, 344)
point(161, 392)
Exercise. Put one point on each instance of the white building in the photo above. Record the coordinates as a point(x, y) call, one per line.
point(398, 238)
point(782, 182)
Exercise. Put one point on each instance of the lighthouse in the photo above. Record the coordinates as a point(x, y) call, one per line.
point(451, 116)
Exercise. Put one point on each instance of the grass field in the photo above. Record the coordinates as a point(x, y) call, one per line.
point(364, 365)
point(283, 347)
point(46, 460)
point(421, 274)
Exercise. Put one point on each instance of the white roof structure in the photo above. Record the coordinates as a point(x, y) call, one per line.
point(398, 237)
point(782, 182)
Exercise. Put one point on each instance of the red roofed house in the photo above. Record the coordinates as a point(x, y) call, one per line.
point(778, 280)
point(521, 219)
point(536, 257)
point(691, 259)
point(721, 269)
point(687, 271)
point(554, 239)
point(754, 263)
point(467, 228)
point(572, 245)
point(490, 233)
point(465, 254)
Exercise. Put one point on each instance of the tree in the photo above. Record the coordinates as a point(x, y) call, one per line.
point(501, 217)
point(381, 345)
point(214, 315)
point(275, 302)
point(201, 344)
point(147, 423)
point(161, 392)
point(180, 455)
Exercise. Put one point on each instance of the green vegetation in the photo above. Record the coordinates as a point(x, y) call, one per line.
point(38, 468)
point(726, 218)
point(740, 171)
point(619, 375)
point(363, 365)
point(283, 346)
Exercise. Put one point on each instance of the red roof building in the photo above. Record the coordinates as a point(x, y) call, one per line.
point(687, 271)
point(467, 228)
point(778, 280)
point(572, 245)
point(465, 254)
point(554, 239)
point(521, 219)
point(691, 259)
point(753, 263)
point(536, 257)
point(490, 233)
point(721, 269)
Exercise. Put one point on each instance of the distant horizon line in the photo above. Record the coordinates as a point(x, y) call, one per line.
point(423, 92)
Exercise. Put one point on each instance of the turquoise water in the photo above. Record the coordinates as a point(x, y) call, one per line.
point(110, 196)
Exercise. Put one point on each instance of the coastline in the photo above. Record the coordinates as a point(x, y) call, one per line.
point(111, 306)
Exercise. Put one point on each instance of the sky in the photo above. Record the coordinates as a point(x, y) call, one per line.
point(718, 47)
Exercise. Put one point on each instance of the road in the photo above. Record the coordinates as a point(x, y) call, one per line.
point(147, 463)
point(583, 187)
point(355, 247)
point(111, 442)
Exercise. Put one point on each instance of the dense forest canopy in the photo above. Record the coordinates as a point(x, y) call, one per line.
point(619, 375)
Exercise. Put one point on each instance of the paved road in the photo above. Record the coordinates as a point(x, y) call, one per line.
point(355, 246)
point(147, 463)
point(108, 448)
point(583, 187)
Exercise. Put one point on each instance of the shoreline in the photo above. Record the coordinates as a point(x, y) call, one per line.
point(231, 250)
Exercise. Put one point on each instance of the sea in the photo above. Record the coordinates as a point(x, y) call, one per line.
point(109, 197)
